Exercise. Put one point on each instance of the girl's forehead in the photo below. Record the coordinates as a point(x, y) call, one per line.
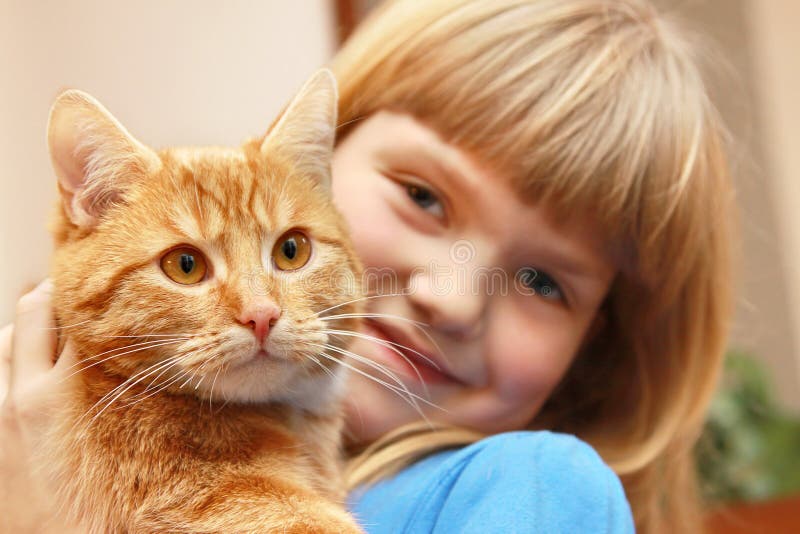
point(405, 140)
point(488, 194)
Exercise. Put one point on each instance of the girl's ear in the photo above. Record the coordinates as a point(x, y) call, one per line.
point(305, 133)
point(93, 155)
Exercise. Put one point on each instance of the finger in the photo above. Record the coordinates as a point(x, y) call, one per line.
point(5, 359)
point(6, 334)
point(68, 359)
point(34, 340)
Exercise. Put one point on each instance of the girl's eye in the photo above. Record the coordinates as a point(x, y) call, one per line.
point(539, 283)
point(184, 265)
point(291, 251)
point(425, 199)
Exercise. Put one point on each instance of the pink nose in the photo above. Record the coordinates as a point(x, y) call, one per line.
point(260, 315)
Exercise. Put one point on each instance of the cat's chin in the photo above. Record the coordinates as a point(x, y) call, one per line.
point(260, 376)
point(265, 360)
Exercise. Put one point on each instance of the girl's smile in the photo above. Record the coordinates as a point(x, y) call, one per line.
point(406, 352)
point(508, 297)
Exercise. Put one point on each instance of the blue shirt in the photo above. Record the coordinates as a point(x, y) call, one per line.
point(510, 483)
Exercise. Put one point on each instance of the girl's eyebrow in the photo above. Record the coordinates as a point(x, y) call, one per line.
point(578, 279)
point(568, 250)
point(572, 260)
point(410, 153)
point(455, 179)
point(567, 264)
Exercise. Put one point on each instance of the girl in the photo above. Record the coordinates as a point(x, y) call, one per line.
point(569, 145)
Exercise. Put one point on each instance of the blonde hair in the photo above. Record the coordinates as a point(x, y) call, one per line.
point(593, 107)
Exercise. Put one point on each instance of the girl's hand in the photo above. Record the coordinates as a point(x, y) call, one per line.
point(30, 387)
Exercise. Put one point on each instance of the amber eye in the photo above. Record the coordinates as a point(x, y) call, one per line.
point(291, 251)
point(185, 265)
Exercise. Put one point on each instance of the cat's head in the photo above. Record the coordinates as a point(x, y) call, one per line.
point(209, 268)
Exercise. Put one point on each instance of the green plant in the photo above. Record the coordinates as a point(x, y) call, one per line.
point(750, 448)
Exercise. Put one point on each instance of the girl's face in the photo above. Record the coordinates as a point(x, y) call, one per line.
point(507, 297)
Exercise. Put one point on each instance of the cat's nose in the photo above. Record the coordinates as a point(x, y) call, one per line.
point(260, 315)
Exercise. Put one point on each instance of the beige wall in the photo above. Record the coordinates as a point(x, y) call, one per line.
point(776, 74)
point(174, 72)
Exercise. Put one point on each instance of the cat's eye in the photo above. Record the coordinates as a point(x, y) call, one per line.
point(184, 265)
point(291, 251)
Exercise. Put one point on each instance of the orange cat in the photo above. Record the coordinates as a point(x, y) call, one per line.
point(199, 288)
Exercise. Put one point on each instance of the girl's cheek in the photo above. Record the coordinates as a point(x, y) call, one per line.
point(383, 239)
point(366, 215)
point(380, 239)
point(530, 361)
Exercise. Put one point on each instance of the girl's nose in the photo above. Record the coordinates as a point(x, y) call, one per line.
point(447, 303)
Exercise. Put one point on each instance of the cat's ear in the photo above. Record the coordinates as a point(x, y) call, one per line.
point(305, 132)
point(93, 155)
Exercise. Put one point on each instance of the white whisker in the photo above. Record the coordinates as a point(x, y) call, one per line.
point(159, 389)
point(142, 346)
point(183, 336)
point(411, 401)
point(122, 392)
point(385, 343)
point(181, 357)
point(388, 345)
point(136, 379)
point(417, 324)
point(316, 360)
point(66, 326)
point(191, 376)
point(211, 393)
point(132, 380)
point(369, 297)
point(358, 357)
point(351, 121)
point(402, 387)
point(372, 315)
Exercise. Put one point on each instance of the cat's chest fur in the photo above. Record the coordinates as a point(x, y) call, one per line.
point(131, 468)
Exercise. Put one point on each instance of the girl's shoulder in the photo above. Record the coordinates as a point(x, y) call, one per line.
point(511, 482)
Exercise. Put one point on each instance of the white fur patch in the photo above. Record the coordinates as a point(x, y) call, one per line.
point(319, 395)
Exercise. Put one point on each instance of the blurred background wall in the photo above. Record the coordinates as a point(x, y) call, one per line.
point(775, 77)
point(190, 72)
point(179, 72)
point(754, 72)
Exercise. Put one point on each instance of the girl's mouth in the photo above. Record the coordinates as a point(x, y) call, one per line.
point(409, 358)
